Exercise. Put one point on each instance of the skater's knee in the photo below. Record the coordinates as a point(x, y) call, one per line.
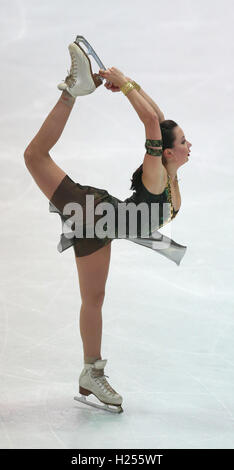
point(28, 155)
point(94, 299)
point(31, 155)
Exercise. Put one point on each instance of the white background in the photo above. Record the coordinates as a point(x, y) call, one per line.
point(167, 330)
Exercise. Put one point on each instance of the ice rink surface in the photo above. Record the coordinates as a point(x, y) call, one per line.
point(167, 329)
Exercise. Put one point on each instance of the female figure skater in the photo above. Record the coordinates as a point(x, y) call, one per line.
point(154, 181)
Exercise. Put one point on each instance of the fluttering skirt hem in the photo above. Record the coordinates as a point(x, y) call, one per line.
point(69, 191)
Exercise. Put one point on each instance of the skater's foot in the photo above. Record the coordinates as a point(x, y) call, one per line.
point(80, 80)
point(92, 381)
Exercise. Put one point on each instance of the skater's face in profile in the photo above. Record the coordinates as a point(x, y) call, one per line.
point(181, 148)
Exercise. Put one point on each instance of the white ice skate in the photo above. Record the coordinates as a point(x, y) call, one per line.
point(92, 381)
point(81, 80)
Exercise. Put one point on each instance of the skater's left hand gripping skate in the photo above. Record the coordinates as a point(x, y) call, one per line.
point(111, 87)
point(113, 75)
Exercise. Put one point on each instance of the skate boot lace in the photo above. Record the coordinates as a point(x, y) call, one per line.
point(103, 384)
point(70, 80)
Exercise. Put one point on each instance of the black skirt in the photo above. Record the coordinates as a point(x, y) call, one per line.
point(68, 191)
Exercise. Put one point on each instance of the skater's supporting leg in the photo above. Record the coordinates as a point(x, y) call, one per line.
point(43, 169)
point(92, 273)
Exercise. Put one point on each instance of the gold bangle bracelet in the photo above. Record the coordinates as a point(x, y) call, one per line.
point(136, 85)
point(128, 86)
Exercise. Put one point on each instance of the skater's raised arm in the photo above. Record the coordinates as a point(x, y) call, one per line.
point(142, 107)
point(152, 103)
point(155, 107)
point(153, 169)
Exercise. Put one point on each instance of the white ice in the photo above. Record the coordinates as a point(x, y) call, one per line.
point(167, 329)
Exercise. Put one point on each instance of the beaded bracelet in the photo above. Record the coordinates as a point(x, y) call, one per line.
point(155, 143)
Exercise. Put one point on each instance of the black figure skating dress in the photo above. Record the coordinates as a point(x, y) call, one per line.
point(69, 191)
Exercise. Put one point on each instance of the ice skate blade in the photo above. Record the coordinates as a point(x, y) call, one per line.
point(117, 409)
point(90, 52)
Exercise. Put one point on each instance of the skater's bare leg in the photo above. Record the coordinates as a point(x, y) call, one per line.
point(54, 124)
point(46, 173)
point(92, 273)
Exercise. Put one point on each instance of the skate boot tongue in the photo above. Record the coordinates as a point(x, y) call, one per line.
point(98, 368)
point(100, 363)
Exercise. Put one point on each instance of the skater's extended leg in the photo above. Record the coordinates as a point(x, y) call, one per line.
point(42, 167)
point(92, 272)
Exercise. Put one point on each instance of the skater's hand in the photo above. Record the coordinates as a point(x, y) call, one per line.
point(111, 87)
point(115, 76)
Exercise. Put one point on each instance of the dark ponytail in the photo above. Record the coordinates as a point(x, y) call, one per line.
point(168, 138)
